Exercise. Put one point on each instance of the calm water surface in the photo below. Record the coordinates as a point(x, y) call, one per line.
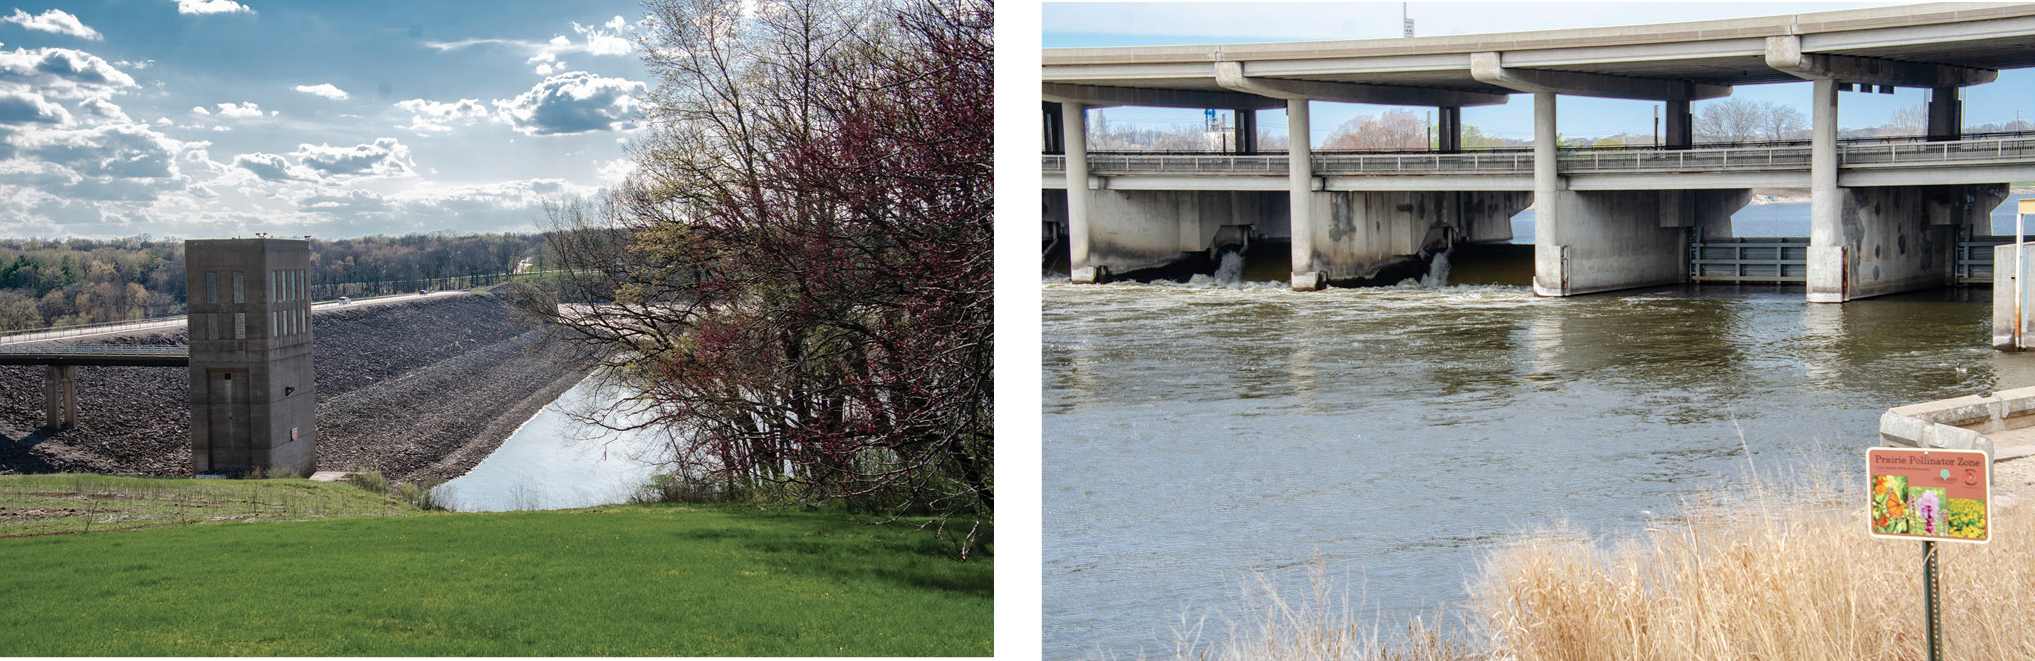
point(555, 462)
point(1196, 436)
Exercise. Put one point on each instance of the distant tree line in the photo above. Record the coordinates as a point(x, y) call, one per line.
point(47, 283)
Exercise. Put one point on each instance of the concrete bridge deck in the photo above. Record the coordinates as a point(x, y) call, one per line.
point(1884, 217)
point(101, 355)
point(1860, 163)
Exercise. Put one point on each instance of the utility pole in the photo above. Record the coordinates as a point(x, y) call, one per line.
point(1656, 126)
point(1403, 18)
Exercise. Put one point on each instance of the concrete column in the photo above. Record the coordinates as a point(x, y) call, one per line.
point(1055, 142)
point(1450, 128)
point(1300, 182)
point(1074, 137)
point(1550, 264)
point(69, 374)
point(1945, 115)
point(1829, 280)
point(1247, 130)
point(52, 398)
point(1679, 130)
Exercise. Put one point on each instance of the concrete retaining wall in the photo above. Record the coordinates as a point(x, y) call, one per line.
point(2001, 424)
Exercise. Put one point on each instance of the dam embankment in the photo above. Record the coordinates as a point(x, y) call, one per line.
point(421, 388)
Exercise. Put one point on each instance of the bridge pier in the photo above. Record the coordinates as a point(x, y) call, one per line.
point(60, 396)
point(1893, 239)
point(1611, 240)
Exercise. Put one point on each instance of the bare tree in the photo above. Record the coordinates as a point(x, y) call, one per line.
point(1394, 129)
point(1783, 121)
point(1734, 119)
point(1909, 120)
point(795, 288)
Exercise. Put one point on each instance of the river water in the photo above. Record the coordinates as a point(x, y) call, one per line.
point(554, 461)
point(1200, 437)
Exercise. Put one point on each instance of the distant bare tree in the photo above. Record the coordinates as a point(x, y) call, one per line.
point(1730, 120)
point(1394, 129)
point(1911, 120)
point(1783, 121)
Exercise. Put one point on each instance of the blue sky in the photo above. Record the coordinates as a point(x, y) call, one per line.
point(202, 118)
point(1079, 24)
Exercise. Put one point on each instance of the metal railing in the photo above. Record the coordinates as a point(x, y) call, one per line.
point(105, 350)
point(1733, 159)
point(1974, 258)
point(1961, 152)
point(2010, 149)
point(1749, 259)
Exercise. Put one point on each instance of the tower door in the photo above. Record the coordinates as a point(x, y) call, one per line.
point(231, 446)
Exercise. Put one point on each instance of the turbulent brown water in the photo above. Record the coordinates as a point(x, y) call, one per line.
point(1198, 435)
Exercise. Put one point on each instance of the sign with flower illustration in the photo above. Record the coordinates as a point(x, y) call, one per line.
point(1930, 494)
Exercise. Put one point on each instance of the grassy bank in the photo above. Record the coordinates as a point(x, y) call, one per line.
point(1755, 572)
point(57, 504)
point(658, 580)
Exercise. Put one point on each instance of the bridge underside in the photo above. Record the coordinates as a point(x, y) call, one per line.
point(1890, 239)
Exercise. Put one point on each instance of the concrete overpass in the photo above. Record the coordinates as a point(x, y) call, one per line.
point(1884, 215)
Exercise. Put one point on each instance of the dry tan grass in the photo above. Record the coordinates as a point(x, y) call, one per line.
point(1756, 572)
point(1324, 627)
point(1760, 573)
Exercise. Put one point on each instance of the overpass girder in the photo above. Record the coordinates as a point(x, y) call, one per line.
point(1489, 68)
point(1785, 54)
point(1231, 75)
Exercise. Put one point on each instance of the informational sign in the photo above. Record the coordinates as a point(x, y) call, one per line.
point(1930, 494)
point(2027, 205)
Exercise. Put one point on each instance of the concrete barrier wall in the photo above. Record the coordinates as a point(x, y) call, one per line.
point(2004, 282)
point(1131, 230)
point(1358, 233)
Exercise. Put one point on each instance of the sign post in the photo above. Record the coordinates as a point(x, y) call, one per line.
point(1934, 495)
point(2026, 206)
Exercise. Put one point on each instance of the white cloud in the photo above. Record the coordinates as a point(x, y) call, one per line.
point(607, 39)
point(435, 117)
point(616, 170)
point(576, 102)
point(62, 73)
point(200, 111)
point(605, 42)
point(249, 110)
point(348, 202)
point(211, 7)
point(386, 157)
point(25, 107)
point(273, 167)
point(104, 111)
point(116, 162)
point(327, 90)
point(54, 20)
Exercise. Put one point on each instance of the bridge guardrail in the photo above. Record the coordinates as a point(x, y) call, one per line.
point(1779, 157)
point(92, 350)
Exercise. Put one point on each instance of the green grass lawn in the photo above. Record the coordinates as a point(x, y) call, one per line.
point(631, 580)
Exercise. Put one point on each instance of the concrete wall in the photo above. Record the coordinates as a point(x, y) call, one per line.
point(1610, 240)
point(253, 400)
point(1131, 230)
point(2004, 280)
point(1893, 245)
point(1358, 233)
